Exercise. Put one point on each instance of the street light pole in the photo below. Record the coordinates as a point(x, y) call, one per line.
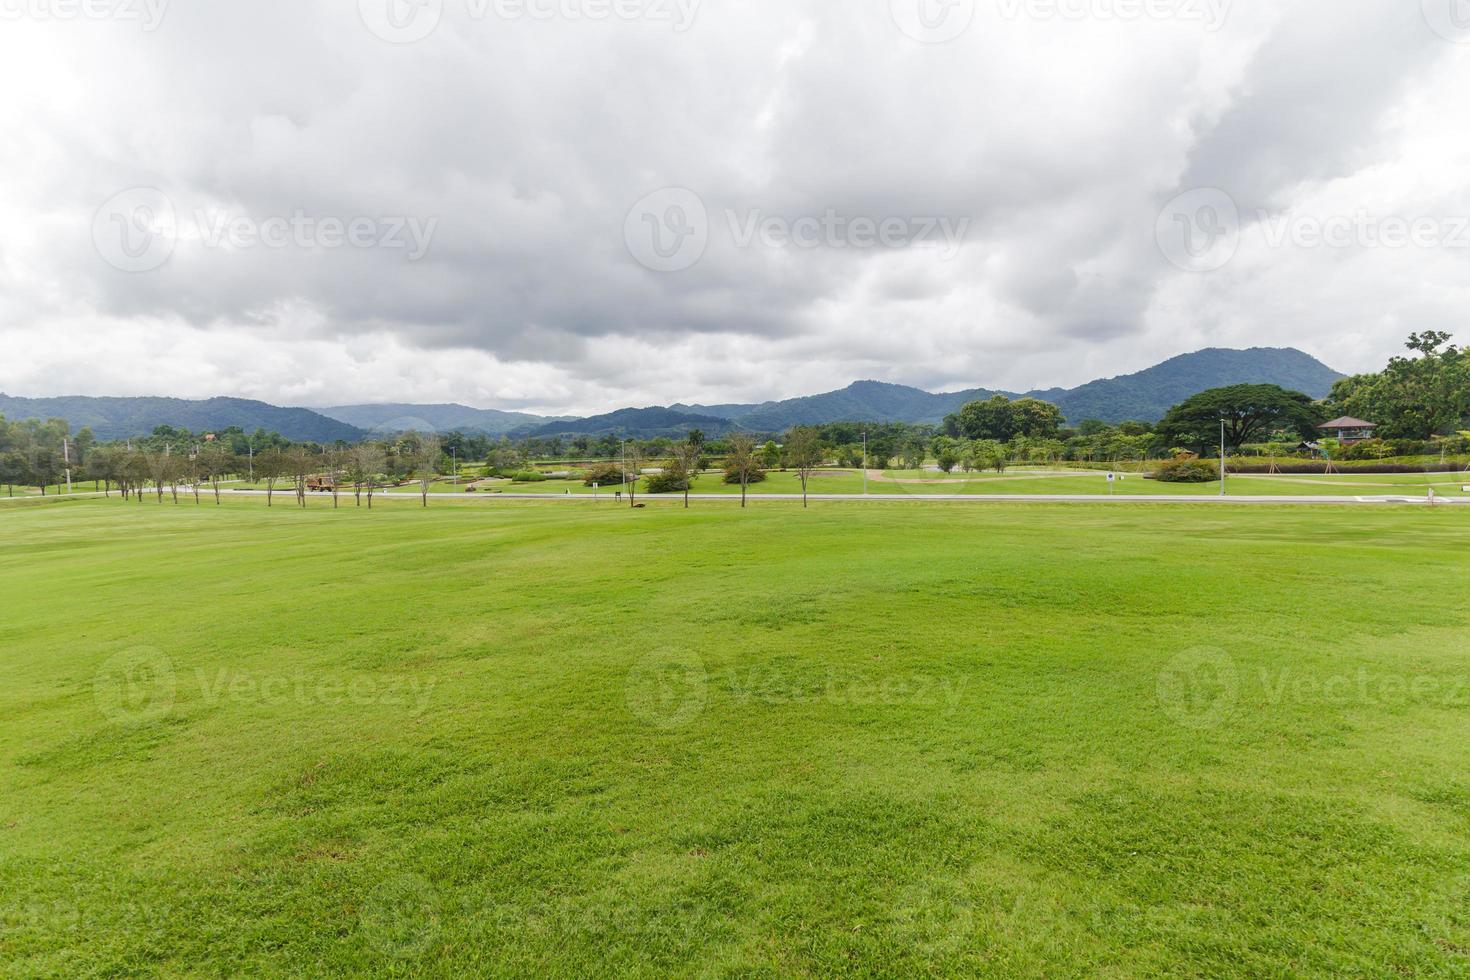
point(865, 464)
point(1222, 457)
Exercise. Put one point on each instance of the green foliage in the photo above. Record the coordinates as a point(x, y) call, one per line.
point(1414, 397)
point(529, 476)
point(604, 475)
point(1248, 411)
point(1001, 419)
point(732, 477)
point(1187, 471)
point(669, 481)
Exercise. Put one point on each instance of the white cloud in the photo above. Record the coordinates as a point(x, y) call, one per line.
point(528, 140)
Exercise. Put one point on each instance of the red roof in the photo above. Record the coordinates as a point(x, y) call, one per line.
point(1347, 422)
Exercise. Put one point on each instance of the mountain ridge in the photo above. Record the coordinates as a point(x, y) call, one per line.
point(116, 417)
point(1142, 395)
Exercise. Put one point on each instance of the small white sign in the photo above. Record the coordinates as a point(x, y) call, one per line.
point(1112, 477)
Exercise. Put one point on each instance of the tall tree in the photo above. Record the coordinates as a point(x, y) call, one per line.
point(1414, 397)
point(632, 456)
point(426, 455)
point(271, 466)
point(742, 462)
point(804, 452)
point(368, 461)
point(686, 461)
point(1247, 411)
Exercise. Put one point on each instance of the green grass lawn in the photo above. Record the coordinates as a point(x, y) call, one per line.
point(1025, 481)
point(511, 739)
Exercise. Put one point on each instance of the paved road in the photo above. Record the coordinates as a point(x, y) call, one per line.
point(755, 499)
point(969, 498)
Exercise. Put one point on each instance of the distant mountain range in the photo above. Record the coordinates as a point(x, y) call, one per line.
point(120, 418)
point(438, 418)
point(1144, 396)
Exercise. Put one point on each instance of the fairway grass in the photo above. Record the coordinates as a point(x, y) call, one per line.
point(506, 739)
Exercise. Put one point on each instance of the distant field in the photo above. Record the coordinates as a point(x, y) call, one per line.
point(1024, 481)
point(1019, 480)
point(512, 740)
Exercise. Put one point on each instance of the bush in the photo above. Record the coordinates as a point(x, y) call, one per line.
point(528, 476)
point(732, 477)
point(1186, 471)
point(667, 482)
point(604, 475)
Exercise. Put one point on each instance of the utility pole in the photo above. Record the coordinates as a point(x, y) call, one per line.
point(1222, 457)
point(66, 455)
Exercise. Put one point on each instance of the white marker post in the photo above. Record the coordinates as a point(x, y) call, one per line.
point(1112, 477)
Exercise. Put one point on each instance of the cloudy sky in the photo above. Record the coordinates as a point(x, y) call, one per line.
point(573, 205)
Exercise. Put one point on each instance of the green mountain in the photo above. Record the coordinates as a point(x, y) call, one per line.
point(637, 423)
point(432, 418)
point(1144, 396)
point(121, 418)
point(1147, 395)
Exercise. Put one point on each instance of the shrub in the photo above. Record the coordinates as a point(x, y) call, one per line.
point(732, 477)
point(1186, 471)
point(667, 482)
point(604, 475)
point(528, 476)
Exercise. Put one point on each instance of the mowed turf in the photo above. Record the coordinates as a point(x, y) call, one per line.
point(1026, 482)
point(867, 739)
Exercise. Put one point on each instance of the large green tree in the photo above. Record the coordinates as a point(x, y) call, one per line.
point(1001, 419)
point(1414, 397)
point(1249, 411)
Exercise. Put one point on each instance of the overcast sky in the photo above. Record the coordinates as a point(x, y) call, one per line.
point(575, 205)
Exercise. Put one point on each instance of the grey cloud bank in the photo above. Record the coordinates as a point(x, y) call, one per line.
point(473, 214)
